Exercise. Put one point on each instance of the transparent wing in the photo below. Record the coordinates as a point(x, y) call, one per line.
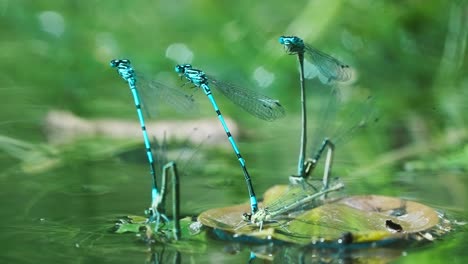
point(331, 69)
point(341, 121)
point(256, 104)
point(153, 93)
point(324, 116)
point(160, 150)
point(300, 192)
point(355, 117)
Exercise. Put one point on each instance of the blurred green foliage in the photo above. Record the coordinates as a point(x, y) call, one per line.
point(410, 55)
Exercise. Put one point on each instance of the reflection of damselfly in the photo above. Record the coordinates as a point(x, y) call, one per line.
point(258, 105)
point(164, 255)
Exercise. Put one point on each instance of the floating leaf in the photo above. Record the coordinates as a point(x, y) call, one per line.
point(360, 219)
point(356, 219)
point(129, 224)
point(189, 241)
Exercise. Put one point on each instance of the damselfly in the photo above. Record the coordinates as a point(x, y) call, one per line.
point(296, 198)
point(168, 170)
point(153, 90)
point(330, 70)
point(258, 105)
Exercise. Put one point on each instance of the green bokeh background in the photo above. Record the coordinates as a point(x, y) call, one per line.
point(410, 55)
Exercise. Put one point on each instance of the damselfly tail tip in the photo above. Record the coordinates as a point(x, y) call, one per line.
point(272, 110)
point(277, 103)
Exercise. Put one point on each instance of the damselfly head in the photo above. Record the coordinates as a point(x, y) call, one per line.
point(125, 70)
point(292, 44)
point(116, 63)
point(246, 217)
point(290, 40)
point(181, 68)
point(282, 40)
